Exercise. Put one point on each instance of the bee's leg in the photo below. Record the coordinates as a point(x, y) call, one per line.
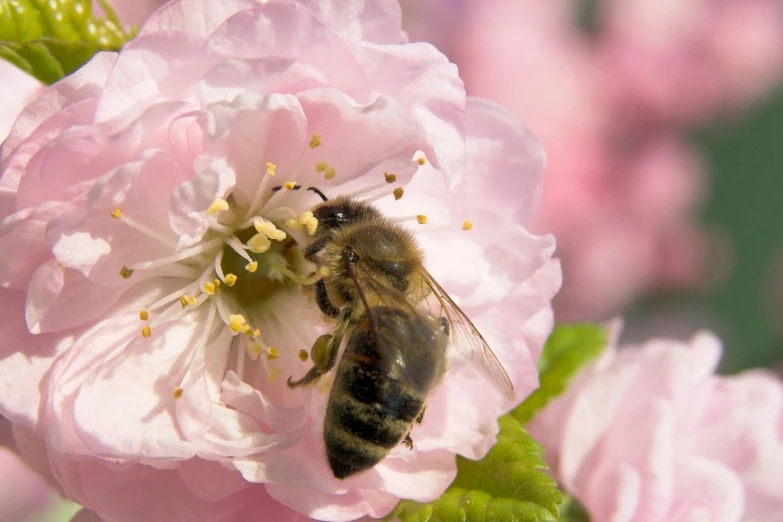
point(444, 325)
point(408, 441)
point(316, 246)
point(420, 418)
point(324, 353)
point(322, 299)
point(313, 189)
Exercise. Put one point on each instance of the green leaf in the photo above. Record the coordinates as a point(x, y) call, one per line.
point(507, 485)
point(52, 38)
point(572, 511)
point(567, 351)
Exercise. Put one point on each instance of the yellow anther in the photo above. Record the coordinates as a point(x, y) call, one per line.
point(252, 332)
point(293, 224)
point(216, 282)
point(236, 322)
point(277, 235)
point(217, 206)
point(146, 331)
point(324, 271)
point(270, 168)
point(252, 267)
point(245, 328)
point(183, 300)
point(254, 350)
point(290, 185)
point(303, 355)
point(421, 161)
point(116, 213)
point(389, 177)
point(398, 192)
point(305, 217)
point(177, 393)
point(272, 353)
point(126, 272)
point(231, 279)
point(467, 225)
point(321, 166)
point(330, 173)
point(274, 374)
point(264, 227)
point(144, 314)
point(422, 219)
point(315, 141)
point(209, 288)
point(259, 244)
point(312, 225)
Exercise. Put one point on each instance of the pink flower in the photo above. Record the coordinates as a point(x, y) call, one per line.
point(148, 268)
point(650, 433)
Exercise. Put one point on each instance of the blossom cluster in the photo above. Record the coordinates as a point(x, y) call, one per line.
point(612, 104)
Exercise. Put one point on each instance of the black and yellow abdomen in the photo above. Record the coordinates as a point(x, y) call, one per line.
point(381, 386)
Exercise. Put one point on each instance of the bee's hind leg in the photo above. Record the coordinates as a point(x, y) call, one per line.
point(408, 441)
point(420, 418)
point(324, 353)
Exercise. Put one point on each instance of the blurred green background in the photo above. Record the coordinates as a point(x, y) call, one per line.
point(745, 166)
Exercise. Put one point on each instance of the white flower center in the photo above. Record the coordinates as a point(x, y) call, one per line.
point(246, 256)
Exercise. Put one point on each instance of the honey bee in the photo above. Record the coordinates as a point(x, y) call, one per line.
point(395, 353)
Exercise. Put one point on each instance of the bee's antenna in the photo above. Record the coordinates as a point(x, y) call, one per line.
point(313, 189)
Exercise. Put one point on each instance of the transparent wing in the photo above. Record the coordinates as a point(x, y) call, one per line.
point(462, 330)
point(421, 329)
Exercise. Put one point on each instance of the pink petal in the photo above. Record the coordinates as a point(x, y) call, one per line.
point(82, 85)
point(146, 426)
point(20, 89)
point(510, 155)
point(27, 357)
point(383, 132)
point(368, 20)
point(428, 87)
point(197, 17)
point(300, 37)
point(59, 298)
point(334, 508)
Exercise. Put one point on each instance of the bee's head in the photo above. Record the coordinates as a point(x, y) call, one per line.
point(339, 212)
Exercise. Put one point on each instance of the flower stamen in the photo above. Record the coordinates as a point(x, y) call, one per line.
point(144, 229)
point(217, 206)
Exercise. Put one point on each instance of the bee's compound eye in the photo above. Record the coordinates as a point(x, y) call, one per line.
point(350, 255)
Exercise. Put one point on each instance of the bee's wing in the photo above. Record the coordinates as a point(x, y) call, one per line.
point(373, 291)
point(462, 330)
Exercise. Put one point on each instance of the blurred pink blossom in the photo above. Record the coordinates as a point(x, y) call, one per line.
point(649, 433)
point(619, 195)
point(141, 240)
point(684, 62)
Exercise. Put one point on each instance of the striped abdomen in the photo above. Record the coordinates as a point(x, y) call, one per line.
point(380, 388)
